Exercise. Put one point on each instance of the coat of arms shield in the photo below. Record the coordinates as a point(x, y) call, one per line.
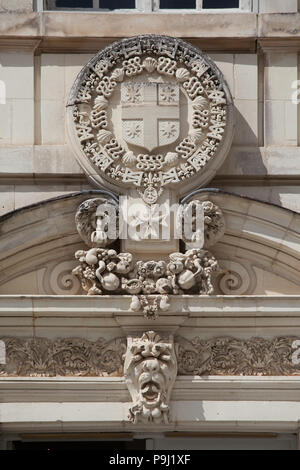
point(150, 114)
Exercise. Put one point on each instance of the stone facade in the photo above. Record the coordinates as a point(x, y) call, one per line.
point(198, 334)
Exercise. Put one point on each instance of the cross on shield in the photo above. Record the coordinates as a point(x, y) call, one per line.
point(150, 114)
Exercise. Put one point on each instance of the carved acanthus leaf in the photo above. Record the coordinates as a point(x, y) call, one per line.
point(233, 356)
point(42, 357)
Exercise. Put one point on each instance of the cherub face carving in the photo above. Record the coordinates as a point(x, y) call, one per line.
point(97, 221)
point(150, 370)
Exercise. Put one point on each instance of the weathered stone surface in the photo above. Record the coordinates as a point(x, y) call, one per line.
point(16, 5)
point(278, 6)
point(113, 24)
point(278, 25)
point(20, 24)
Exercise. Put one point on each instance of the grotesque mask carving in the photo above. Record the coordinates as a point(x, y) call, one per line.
point(150, 370)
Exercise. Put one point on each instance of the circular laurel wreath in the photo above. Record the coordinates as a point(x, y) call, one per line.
point(197, 77)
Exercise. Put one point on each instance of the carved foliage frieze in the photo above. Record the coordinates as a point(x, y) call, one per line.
point(42, 357)
point(233, 356)
point(214, 356)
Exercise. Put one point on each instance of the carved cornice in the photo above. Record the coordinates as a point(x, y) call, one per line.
point(16, 44)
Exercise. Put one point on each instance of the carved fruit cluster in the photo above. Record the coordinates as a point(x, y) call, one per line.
point(105, 271)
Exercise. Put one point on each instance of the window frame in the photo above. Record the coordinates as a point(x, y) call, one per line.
point(152, 6)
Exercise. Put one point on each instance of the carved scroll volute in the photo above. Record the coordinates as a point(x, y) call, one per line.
point(150, 371)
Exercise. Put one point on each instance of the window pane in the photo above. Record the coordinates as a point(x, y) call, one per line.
point(220, 3)
point(177, 4)
point(74, 3)
point(117, 4)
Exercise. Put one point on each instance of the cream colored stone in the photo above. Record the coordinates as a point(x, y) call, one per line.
point(271, 214)
point(291, 123)
point(241, 443)
point(53, 77)
point(282, 162)
point(26, 281)
point(244, 161)
point(6, 198)
point(5, 122)
point(288, 197)
point(225, 62)
point(53, 122)
point(238, 25)
point(278, 25)
point(16, 160)
point(29, 194)
point(16, 5)
point(268, 284)
point(245, 76)
point(36, 242)
point(23, 122)
point(73, 65)
point(272, 161)
point(280, 123)
point(16, 70)
point(280, 73)
point(278, 6)
point(246, 122)
point(55, 159)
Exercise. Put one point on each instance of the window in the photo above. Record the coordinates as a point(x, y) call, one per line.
point(144, 5)
point(90, 4)
point(220, 4)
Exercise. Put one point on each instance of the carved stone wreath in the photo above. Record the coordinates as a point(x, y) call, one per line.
point(166, 68)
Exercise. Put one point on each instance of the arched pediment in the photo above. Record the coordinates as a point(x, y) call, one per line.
point(261, 242)
point(259, 251)
point(38, 245)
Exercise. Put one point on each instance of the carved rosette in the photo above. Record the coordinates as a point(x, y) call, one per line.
point(150, 371)
point(154, 149)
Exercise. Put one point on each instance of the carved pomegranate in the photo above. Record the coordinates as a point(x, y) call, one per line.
point(91, 256)
point(110, 281)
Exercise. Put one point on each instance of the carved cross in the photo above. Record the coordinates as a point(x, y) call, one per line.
point(150, 110)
